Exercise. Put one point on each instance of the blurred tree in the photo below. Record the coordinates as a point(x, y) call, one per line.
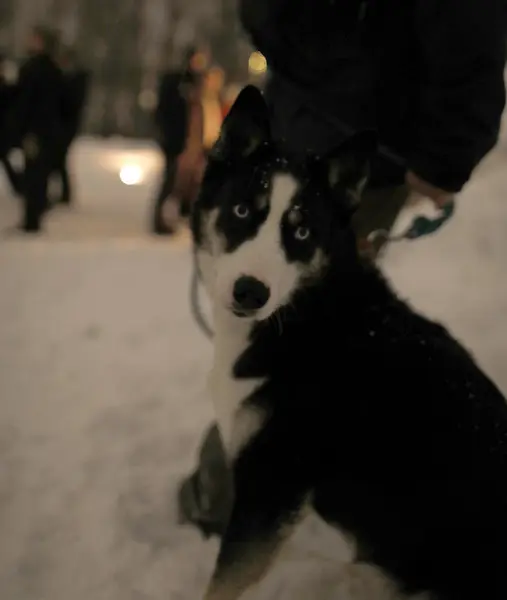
point(7, 13)
point(92, 45)
point(125, 44)
point(227, 41)
point(173, 20)
point(57, 10)
point(129, 65)
point(63, 15)
point(109, 37)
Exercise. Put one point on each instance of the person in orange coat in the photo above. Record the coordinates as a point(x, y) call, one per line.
point(231, 92)
point(207, 110)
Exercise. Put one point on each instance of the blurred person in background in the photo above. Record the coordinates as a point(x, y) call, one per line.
point(38, 119)
point(427, 75)
point(178, 134)
point(231, 92)
point(213, 106)
point(190, 163)
point(206, 115)
point(7, 142)
point(76, 81)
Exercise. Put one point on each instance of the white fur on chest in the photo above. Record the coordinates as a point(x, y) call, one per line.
point(237, 423)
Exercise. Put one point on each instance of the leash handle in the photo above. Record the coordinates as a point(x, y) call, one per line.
point(420, 227)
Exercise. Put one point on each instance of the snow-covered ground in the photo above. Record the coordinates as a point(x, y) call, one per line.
point(102, 377)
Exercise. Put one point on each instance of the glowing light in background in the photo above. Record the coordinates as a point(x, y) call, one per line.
point(199, 61)
point(147, 99)
point(131, 174)
point(257, 64)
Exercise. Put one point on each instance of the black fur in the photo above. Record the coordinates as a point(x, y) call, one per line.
point(392, 426)
point(377, 416)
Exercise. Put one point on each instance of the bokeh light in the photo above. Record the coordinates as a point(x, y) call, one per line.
point(131, 174)
point(257, 64)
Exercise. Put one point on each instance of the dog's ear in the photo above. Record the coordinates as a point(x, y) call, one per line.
point(245, 128)
point(348, 166)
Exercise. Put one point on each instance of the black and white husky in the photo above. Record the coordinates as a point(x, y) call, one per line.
point(331, 393)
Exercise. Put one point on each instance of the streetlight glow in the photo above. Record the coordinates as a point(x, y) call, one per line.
point(131, 174)
point(257, 64)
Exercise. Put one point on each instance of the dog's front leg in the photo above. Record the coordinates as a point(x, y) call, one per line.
point(242, 564)
point(267, 505)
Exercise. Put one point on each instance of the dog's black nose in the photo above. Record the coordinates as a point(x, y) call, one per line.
point(250, 293)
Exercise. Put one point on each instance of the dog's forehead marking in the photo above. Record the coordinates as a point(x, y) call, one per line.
point(283, 190)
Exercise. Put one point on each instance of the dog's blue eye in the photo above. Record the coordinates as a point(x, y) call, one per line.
point(302, 234)
point(241, 211)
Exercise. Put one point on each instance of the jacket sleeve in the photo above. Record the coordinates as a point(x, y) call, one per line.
point(161, 94)
point(462, 51)
point(33, 81)
point(24, 100)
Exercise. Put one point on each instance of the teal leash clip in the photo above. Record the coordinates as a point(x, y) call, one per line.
point(420, 227)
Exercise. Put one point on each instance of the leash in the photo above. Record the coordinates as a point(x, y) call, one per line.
point(195, 304)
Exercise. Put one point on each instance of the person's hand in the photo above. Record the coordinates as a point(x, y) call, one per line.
point(423, 188)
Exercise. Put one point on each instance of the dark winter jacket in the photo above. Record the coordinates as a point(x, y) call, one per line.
point(40, 100)
point(7, 105)
point(171, 115)
point(76, 84)
point(428, 74)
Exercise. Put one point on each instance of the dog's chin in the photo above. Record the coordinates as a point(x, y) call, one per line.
point(251, 315)
point(241, 313)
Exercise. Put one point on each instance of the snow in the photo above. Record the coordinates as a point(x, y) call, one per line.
point(102, 382)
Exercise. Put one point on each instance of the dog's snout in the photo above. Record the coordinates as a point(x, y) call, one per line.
point(250, 293)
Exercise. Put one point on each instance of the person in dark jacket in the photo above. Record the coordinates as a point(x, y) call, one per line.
point(7, 104)
point(39, 122)
point(75, 90)
point(426, 74)
point(171, 121)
